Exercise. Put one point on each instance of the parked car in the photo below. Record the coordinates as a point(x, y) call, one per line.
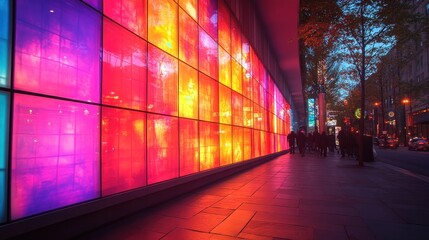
point(391, 143)
point(422, 145)
point(412, 144)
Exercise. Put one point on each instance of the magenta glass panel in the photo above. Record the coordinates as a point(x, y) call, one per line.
point(209, 145)
point(131, 14)
point(188, 39)
point(124, 67)
point(208, 99)
point(247, 143)
point(225, 144)
point(208, 16)
point(57, 49)
point(55, 154)
point(162, 148)
point(162, 93)
point(94, 3)
point(237, 109)
point(208, 55)
point(189, 147)
point(191, 7)
point(224, 21)
point(123, 157)
point(237, 144)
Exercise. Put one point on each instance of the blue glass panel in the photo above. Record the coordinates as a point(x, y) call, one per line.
point(4, 112)
point(4, 40)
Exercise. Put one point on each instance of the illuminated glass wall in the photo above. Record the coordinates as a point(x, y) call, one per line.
point(112, 96)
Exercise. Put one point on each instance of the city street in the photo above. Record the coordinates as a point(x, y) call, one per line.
point(414, 161)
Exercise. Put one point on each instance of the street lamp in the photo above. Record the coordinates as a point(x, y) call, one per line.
point(375, 118)
point(405, 101)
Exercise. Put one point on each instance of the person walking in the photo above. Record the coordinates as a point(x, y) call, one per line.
point(342, 142)
point(291, 138)
point(300, 141)
point(323, 144)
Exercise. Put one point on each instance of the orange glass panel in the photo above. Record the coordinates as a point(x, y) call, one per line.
point(224, 37)
point(236, 78)
point(208, 99)
point(162, 22)
point(247, 85)
point(256, 92)
point(209, 145)
point(189, 147)
point(235, 40)
point(208, 16)
point(224, 68)
point(188, 91)
point(265, 143)
point(162, 148)
point(130, 14)
point(257, 116)
point(247, 112)
point(255, 65)
point(188, 39)
point(225, 135)
point(162, 94)
point(225, 110)
point(191, 7)
point(123, 158)
point(247, 144)
point(256, 144)
point(237, 144)
point(245, 55)
point(237, 109)
point(208, 55)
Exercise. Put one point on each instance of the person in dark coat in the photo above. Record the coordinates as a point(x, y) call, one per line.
point(323, 139)
point(342, 142)
point(300, 141)
point(291, 138)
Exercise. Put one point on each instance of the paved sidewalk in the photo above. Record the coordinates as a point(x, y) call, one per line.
point(292, 197)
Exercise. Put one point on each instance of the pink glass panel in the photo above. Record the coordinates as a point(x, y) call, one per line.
point(224, 26)
point(237, 76)
point(237, 144)
point(162, 148)
point(162, 94)
point(208, 99)
point(208, 16)
point(131, 14)
point(55, 154)
point(209, 145)
point(237, 109)
point(191, 7)
point(124, 68)
point(188, 91)
point(188, 39)
point(189, 147)
point(256, 143)
point(247, 143)
point(247, 112)
point(255, 65)
point(225, 136)
point(57, 49)
point(123, 157)
point(224, 68)
point(163, 25)
point(225, 110)
point(208, 55)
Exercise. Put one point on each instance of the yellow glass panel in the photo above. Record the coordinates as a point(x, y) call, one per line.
point(224, 68)
point(237, 144)
point(188, 91)
point(225, 136)
point(225, 110)
point(162, 24)
point(236, 83)
point(191, 7)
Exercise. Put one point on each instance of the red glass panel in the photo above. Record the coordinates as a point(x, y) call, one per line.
point(237, 144)
point(188, 91)
point(265, 143)
point(225, 110)
point(225, 135)
point(255, 65)
point(236, 78)
point(256, 144)
point(208, 55)
point(224, 26)
point(237, 109)
point(163, 25)
point(189, 147)
point(188, 39)
point(247, 144)
point(131, 14)
point(124, 68)
point(208, 99)
point(247, 85)
point(162, 94)
point(162, 148)
point(262, 97)
point(224, 68)
point(191, 7)
point(235, 40)
point(247, 112)
point(123, 154)
point(257, 116)
point(208, 16)
point(256, 92)
point(209, 145)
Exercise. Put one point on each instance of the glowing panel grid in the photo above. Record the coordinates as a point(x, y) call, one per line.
point(4, 116)
point(4, 42)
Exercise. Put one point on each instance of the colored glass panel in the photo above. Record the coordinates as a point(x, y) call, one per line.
point(188, 39)
point(57, 49)
point(236, 78)
point(209, 145)
point(208, 99)
point(163, 25)
point(4, 129)
point(256, 143)
point(262, 97)
point(131, 14)
point(124, 68)
point(256, 92)
point(237, 144)
point(247, 144)
point(208, 55)
point(4, 43)
point(255, 65)
point(224, 68)
point(225, 110)
point(247, 84)
point(208, 16)
point(235, 40)
point(265, 143)
point(237, 109)
point(188, 91)
point(225, 137)
point(257, 116)
point(162, 148)
point(224, 31)
point(123, 157)
point(94, 3)
point(189, 147)
point(191, 7)
point(55, 154)
point(247, 112)
point(162, 94)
